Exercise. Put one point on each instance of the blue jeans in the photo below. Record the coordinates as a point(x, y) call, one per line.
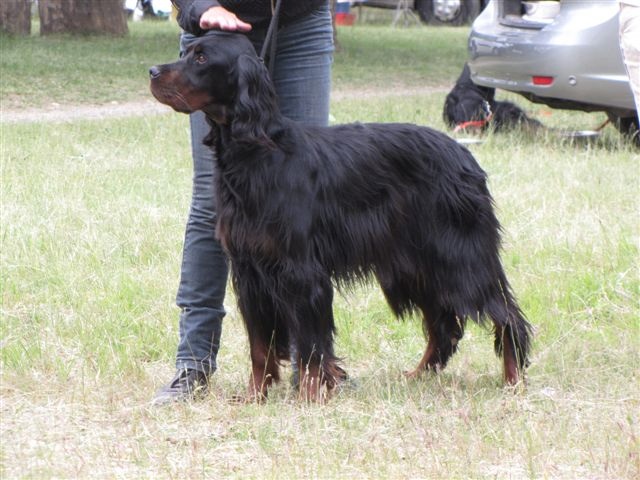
point(302, 78)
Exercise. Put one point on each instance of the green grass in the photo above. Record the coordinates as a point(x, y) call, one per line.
point(41, 71)
point(92, 218)
point(395, 57)
point(50, 71)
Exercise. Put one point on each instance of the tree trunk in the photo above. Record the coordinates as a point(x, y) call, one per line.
point(82, 17)
point(15, 17)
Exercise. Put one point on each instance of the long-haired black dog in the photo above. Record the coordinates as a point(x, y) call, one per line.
point(471, 106)
point(302, 209)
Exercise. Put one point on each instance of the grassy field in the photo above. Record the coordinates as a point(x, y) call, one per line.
point(50, 71)
point(92, 218)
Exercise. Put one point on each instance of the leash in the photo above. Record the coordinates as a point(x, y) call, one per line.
point(562, 133)
point(270, 39)
point(606, 122)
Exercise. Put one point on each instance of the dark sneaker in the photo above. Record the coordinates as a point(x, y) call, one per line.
point(185, 386)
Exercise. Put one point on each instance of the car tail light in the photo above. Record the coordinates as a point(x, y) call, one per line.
point(541, 80)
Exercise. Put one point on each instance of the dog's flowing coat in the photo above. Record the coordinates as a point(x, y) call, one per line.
point(302, 209)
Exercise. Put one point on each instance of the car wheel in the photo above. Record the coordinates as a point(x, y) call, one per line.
point(627, 126)
point(448, 12)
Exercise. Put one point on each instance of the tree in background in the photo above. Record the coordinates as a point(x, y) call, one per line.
point(65, 16)
point(15, 17)
point(82, 16)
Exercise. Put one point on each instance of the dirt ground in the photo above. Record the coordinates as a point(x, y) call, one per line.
point(64, 113)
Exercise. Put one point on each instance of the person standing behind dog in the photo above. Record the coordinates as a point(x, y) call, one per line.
point(302, 78)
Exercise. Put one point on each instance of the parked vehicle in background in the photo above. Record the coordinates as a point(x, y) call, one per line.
point(562, 53)
point(153, 8)
point(436, 12)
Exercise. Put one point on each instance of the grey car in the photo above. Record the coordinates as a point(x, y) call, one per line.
point(562, 53)
point(436, 12)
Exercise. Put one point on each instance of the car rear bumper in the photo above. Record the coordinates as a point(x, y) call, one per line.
point(567, 49)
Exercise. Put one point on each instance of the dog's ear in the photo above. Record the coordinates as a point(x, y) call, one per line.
point(255, 106)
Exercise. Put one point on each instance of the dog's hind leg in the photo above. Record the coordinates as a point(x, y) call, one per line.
point(512, 334)
point(429, 360)
point(443, 330)
point(505, 345)
point(512, 342)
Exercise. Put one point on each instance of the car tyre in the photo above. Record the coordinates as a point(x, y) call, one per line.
point(469, 10)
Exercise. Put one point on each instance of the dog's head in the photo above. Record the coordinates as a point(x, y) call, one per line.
point(221, 75)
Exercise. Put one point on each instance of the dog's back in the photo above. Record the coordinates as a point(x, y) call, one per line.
point(409, 191)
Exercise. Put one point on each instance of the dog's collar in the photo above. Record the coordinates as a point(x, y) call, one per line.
point(472, 123)
point(477, 123)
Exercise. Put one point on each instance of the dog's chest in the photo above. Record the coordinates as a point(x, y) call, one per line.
point(249, 214)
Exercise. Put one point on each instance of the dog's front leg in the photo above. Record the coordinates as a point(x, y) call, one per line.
point(312, 381)
point(264, 369)
point(257, 309)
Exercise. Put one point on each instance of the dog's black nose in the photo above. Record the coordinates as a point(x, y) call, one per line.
point(154, 72)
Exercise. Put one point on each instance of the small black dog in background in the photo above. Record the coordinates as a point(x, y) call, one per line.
point(471, 106)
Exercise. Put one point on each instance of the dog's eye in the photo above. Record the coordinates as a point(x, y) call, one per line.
point(200, 58)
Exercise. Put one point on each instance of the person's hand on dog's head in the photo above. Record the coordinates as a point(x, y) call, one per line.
point(223, 19)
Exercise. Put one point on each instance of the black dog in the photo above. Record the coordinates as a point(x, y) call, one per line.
point(301, 209)
point(471, 106)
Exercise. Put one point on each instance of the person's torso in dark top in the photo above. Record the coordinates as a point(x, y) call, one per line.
point(258, 12)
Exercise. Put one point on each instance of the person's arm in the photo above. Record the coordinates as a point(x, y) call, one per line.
point(197, 16)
